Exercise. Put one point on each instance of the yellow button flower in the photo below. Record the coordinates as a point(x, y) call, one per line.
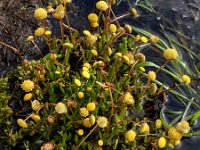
point(22, 123)
point(130, 135)
point(186, 79)
point(39, 32)
point(28, 96)
point(94, 52)
point(94, 24)
point(137, 38)
point(144, 128)
point(86, 32)
point(144, 39)
point(170, 54)
point(86, 123)
point(86, 74)
point(183, 127)
point(29, 38)
point(68, 45)
point(40, 13)
point(35, 105)
point(83, 112)
point(81, 94)
point(151, 75)
point(92, 119)
point(128, 99)
point(158, 124)
point(102, 5)
point(61, 108)
point(27, 85)
point(100, 142)
point(128, 28)
point(91, 106)
point(140, 57)
point(77, 82)
point(112, 28)
point(87, 65)
point(91, 39)
point(174, 134)
point(134, 12)
point(102, 122)
point(153, 88)
point(80, 132)
point(142, 69)
point(59, 12)
point(47, 33)
point(154, 39)
point(126, 58)
point(35, 117)
point(162, 142)
point(92, 17)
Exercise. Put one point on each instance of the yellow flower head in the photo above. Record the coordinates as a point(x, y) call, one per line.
point(102, 122)
point(47, 146)
point(86, 32)
point(142, 69)
point(61, 108)
point(128, 28)
point(77, 82)
point(53, 56)
point(174, 134)
point(40, 13)
point(100, 142)
point(144, 39)
point(86, 123)
point(109, 51)
point(86, 74)
point(59, 12)
point(170, 54)
point(144, 128)
point(39, 32)
point(91, 39)
point(128, 99)
point(81, 94)
point(113, 28)
point(102, 5)
point(87, 65)
point(137, 38)
point(85, 69)
point(35, 105)
point(158, 124)
point(130, 135)
point(153, 88)
point(68, 45)
point(83, 112)
point(28, 96)
point(140, 57)
point(35, 117)
point(93, 18)
point(47, 33)
point(183, 127)
point(91, 106)
point(162, 142)
point(92, 119)
point(80, 132)
point(154, 39)
point(94, 52)
point(29, 38)
point(118, 54)
point(186, 79)
point(151, 75)
point(126, 58)
point(22, 123)
point(88, 89)
point(133, 12)
point(27, 85)
point(94, 24)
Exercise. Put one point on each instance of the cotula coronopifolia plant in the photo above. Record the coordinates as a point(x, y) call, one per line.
point(101, 104)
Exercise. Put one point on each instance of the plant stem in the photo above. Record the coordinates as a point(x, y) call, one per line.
point(37, 48)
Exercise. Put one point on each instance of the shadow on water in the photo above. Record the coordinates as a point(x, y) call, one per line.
point(179, 19)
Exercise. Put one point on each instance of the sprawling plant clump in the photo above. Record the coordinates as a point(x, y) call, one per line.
point(93, 90)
